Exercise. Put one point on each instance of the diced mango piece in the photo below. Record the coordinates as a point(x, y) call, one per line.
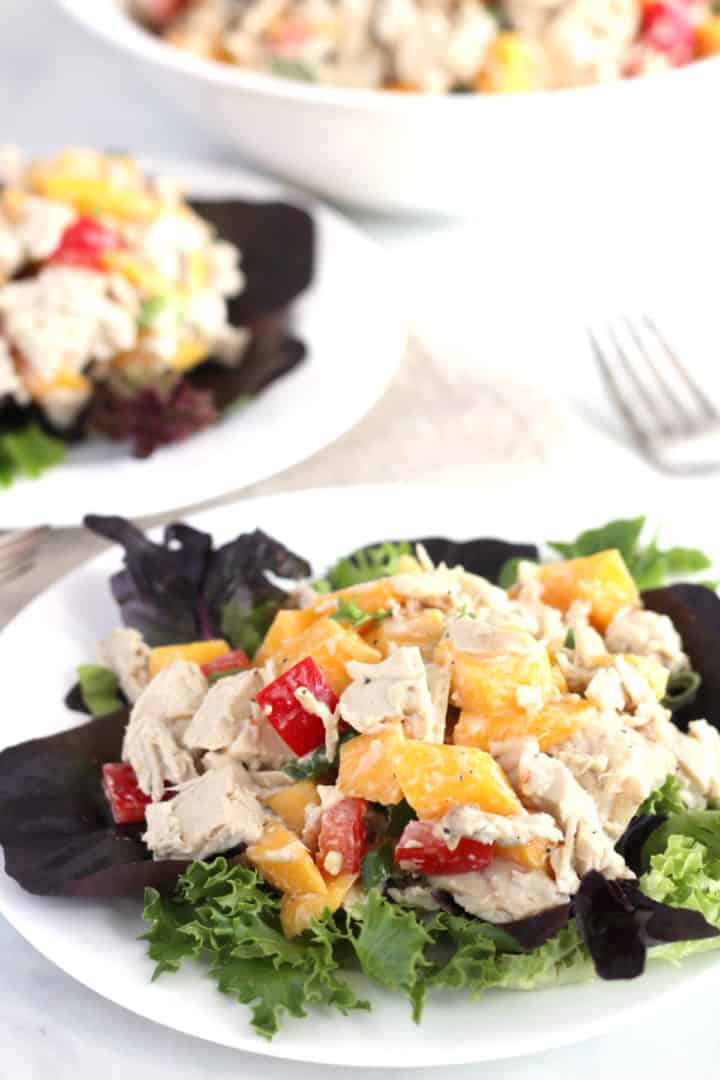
point(510, 66)
point(657, 676)
point(331, 645)
point(198, 652)
point(707, 36)
point(408, 564)
point(285, 862)
point(370, 596)
point(286, 627)
point(487, 686)
point(423, 629)
point(297, 912)
point(559, 680)
point(367, 766)
point(137, 271)
point(190, 353)
point(435, 777)
point(602, 580)
point(290, 803)
point(552, 724)
point(88, 194)
point(533, 855)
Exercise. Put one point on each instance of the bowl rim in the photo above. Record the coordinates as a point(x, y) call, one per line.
point(109, 20)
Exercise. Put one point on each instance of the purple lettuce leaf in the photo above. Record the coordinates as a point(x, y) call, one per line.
point(277, 242)
point(535, 930)
point(695, 612)
point(484, 556)
point(618, 924)
point(178, 590)
point(272, 354)
point(56, 828)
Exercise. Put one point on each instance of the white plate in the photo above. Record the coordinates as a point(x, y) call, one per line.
point(96, 942)
point(352, 320)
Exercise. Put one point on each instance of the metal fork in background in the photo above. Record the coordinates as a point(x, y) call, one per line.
point(18, 552)
point(672, 419)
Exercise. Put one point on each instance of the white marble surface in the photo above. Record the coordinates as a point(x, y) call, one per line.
point(518, 301)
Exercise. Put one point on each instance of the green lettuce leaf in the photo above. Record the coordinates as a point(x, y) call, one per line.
point(100, 690)
point(28, 452)
point(244, 628)
point(224, 914)
point(666, 800)
point(702, 826)
point(650, 566)
point(366, 564)
point(686, 874)
point(390, 944)
point(315, 765)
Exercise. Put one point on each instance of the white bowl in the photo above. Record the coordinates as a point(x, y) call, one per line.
point(445, 154)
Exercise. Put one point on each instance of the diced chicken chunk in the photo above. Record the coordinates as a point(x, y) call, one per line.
point(439, 680)
point(224, 712)
point(503, 892)
point(483, 638)
point(330, 719)
point(697, 753)
point(396, 688)
point(506, 831)
point(617, 767)
point(646, 633)
point(158, 721)
point(127, 655)
point(211, 814)
point(547, 785)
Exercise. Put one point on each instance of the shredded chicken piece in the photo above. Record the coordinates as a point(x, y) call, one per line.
point(330, 719)
point(506, 831)
point(396, 688)
point(616, 766)
point(210, 814)
point(158, 721)
point(502, 892)
point(697, 753)
point(127, 655)
point(546, 784)
point(646, 633)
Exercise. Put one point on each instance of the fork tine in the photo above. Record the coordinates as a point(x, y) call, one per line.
point(711, 412)
point(22, 537)
point(668, 394)
point(14, 571)
point(616, 390)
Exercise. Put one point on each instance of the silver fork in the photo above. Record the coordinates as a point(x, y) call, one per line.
point(671, 417)
point(18, 551)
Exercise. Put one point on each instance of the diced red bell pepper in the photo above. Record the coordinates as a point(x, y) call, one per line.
point(84, 243)
point(343, 831)
point(301, 730)
point(160, 12)
point(121, 787)
point(420, 851)
point(667, 28)
point(232, 661)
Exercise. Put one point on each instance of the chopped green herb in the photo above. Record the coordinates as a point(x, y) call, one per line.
point(315, 765)
point(569, 642)
point(682, 689)
point(378, 865)
point(399, 816)
point(509, 574)
point(100, 690)
point(291, 69)
point(649, 565)
point(215, 676)
point(155, 307)
point(351, 612)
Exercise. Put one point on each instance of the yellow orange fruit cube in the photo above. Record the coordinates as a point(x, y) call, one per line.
point(367, 766)
point(285, 862)
point(603, 581)
point(433, 777)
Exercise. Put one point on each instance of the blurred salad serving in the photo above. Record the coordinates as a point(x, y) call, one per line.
point(441, 46)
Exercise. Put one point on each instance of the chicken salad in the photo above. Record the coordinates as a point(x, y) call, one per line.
point(467, 764)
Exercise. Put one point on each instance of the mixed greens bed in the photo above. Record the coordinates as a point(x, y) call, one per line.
point(258, 942)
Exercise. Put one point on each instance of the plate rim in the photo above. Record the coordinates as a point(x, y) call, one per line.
point(696, 970)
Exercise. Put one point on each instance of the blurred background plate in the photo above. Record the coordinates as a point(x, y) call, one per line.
point(446, 153)
point(96, 942)
point(352, 320)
